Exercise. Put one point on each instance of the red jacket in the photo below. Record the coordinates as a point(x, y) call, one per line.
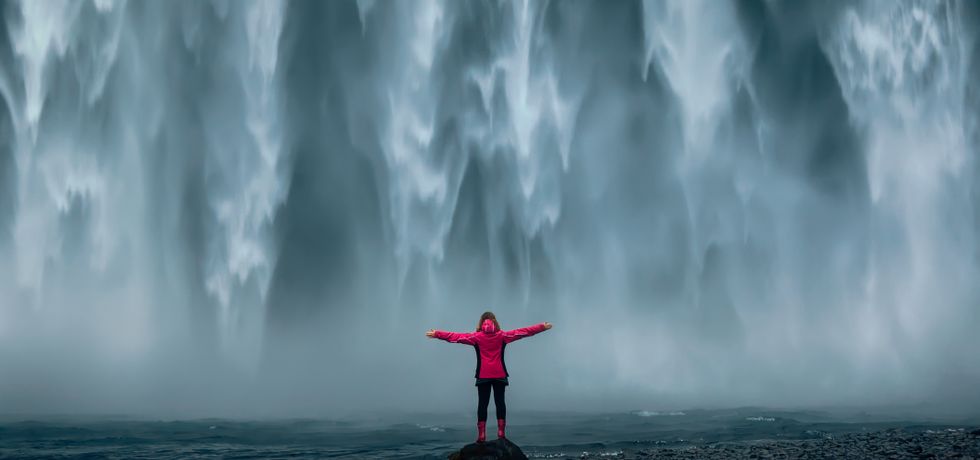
point(490, 347)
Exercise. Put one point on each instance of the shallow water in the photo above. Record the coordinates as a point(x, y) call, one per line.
point(541, 435)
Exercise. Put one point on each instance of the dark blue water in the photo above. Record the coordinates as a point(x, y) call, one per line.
point(541, 435)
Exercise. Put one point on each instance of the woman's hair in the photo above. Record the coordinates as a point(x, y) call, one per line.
point(487, 315)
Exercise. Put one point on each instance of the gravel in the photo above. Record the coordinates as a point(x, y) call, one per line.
point(960, 443)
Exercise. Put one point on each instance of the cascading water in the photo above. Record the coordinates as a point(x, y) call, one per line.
point(204, 204)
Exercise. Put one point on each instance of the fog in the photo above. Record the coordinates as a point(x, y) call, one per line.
point(257, 208)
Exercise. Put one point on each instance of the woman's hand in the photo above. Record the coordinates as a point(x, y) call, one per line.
point(431, 333)
point(547, 325)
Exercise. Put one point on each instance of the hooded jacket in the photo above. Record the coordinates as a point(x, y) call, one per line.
point(489, 343)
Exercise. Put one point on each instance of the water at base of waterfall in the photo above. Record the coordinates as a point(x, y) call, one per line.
point(685, 434)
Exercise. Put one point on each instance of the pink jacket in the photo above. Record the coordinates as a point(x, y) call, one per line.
point(489, 344)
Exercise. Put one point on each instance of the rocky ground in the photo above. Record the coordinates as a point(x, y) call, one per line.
point(959, 443)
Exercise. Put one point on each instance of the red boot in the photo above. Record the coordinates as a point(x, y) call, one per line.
point(481, 431)
point(500, 428)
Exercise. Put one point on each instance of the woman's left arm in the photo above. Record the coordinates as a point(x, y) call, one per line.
point(520, 333)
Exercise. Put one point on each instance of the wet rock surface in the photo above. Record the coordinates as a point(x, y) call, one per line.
point(961, 443)
point(498, 449)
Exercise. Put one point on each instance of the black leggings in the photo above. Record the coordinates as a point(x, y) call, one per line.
point(483, 390)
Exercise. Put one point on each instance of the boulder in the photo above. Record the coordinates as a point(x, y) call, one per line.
point(498, 449)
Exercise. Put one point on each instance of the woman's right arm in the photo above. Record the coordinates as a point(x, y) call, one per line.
point(520, 333)
point(465, 338)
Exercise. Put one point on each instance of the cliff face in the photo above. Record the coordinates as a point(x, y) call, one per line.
point(498, 449)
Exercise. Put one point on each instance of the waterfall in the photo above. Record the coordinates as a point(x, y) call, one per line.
point(716, 203)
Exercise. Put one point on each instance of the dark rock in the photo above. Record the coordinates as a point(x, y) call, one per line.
point(498, 449)
point(975, 432)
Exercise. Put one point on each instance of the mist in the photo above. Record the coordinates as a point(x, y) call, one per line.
point(257, 208)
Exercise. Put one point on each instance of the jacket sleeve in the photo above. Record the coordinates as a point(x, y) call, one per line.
point(465, 338)
point(520, 333)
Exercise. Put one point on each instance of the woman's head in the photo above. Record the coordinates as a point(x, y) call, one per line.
point(488, 316)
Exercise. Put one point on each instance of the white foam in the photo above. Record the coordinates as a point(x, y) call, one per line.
point(646, 413)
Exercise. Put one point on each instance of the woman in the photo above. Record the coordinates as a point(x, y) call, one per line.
point(491, 372)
